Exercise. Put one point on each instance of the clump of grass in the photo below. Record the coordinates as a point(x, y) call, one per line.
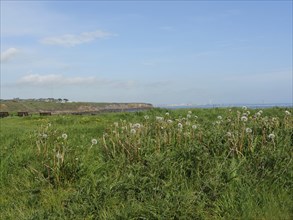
point(57, 161)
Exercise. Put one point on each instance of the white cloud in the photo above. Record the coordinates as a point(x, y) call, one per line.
point(70, 40)
point(54, 79)
point(9, 54)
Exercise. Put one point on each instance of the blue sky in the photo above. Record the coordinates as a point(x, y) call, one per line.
point(165, 52)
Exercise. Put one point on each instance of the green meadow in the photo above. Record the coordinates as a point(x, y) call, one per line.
point(159, 164)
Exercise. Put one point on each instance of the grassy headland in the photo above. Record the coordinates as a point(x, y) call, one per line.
point(61, 106)
point(204, 164)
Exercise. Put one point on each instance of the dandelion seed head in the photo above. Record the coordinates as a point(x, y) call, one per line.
point(248, 130)
point(244, 108)
point(271, 136)
point(195, 116)
point(167, 114)
point(180, 125)
point(158, 118)
point(116, 124)
point(44, 135)
point(188, 115)
point(169, 121)
point(64, 136)
point(258, 114)
point(94, 141)
point(194, 127)
point(244, 118)
point(136, 125)
point(220, 117)
point(58, 155)
point(146, 117)
point(132, 131)
point(287, 112)
point(189, 112)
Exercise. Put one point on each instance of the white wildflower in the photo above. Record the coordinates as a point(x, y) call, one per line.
point(220, 117)
point(271, 136)
point(194, 127)
point(188, 116)
point(158, 118)
point(64, 136)
point(136, 125)
point(195, 117)
point(167, 114)
point(169, 121)
point(189, 112)
point(180, 126)
point(244, 118)
point(116, 124)
point(229, 134)
point(244, 108)
point(248, 130)
point(58, 155)
point(146, 117)
point(45, 135)
point(132, 131)
point(258, 114)
point(94, 141)
point(287, 112)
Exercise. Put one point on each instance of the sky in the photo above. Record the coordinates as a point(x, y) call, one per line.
point(159, 52)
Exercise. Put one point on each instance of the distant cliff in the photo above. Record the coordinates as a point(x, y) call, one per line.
point(60, 107)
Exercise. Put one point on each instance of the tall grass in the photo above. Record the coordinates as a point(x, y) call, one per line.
point(183, 164)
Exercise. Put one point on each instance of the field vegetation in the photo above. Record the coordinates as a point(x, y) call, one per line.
point(159, 164)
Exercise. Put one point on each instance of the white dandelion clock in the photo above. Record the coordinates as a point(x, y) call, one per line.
point(248, 130)
point(158, 118)
point(146, 117)
point(180, 126)
point(94, 141)
point(136, 125)
point(169, 121)
point(244, 108)
point(287, 112)
point(133, 131)
point(194, 127)
point(271, 136)
point(64, 136)
point(167, 114)
point(244, 118)
point(220, 117)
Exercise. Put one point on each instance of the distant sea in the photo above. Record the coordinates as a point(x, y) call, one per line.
point(252, 106)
